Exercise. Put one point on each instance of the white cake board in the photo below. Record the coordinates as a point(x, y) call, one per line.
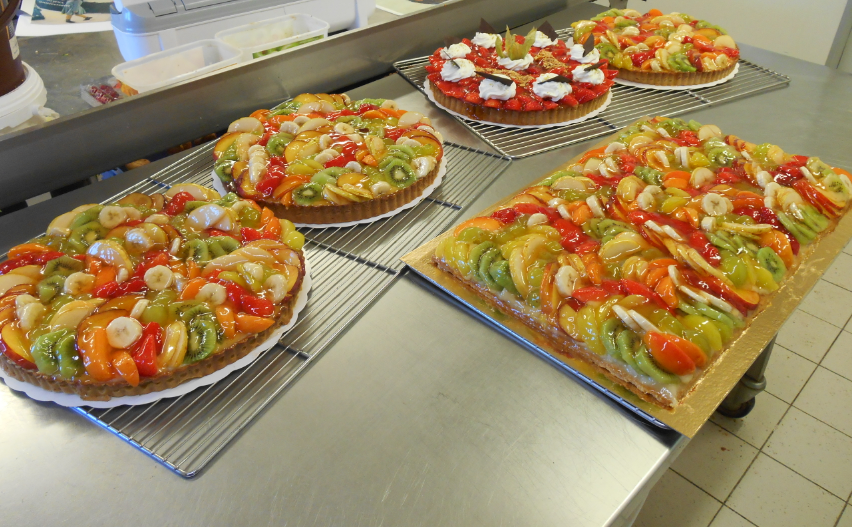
point(728, 77)
point(442, 169)
point(590, 115)
point(66, 399)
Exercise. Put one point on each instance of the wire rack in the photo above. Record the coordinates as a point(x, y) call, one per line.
point(185, 433)
point(628, 104)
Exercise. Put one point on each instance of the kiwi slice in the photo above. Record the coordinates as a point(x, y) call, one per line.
point(50, 287)
point(197, 250)
point(625, 343)
point(308, 193)
point(201, 340)
point(607, 335)
point(81, 237)
point(215, 248)
point(501, 275)
point(399, 173)
point(227, 243)
point(485, 264)
point(70, 363)
point(43, 352)
point(769, 260)
point(64, 265)
point(476, 254)
point(646, 364)
point(192, 205)
point(86, 216)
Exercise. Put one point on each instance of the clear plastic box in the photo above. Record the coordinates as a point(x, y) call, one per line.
point(176, 65)
point(275, 35)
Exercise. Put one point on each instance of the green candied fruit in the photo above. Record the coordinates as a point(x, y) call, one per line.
point(285, 108)
point(626, 22)
point(704, 24)
point(424, 150)
point(249, 217)
point(694, 125)
point(610, 12)
point(277, 143)
point(718, 152)
point(649, 175)
point(680, 62)
point(406, 153)
point(475, 235)
point(511, 232)
point(673, 126)
point(228, 199)
point(607, 50)
point(550, 180)
point(759, 154)
point(356, 105)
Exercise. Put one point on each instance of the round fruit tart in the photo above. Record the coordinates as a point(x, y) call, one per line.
point(321, 159)
point(517, 80)
point(661, 50)
point(646, 257)
point(143, 294)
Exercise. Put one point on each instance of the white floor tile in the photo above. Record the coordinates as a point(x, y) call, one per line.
point(756, 427)
point(675, 502)
point(807, 335)
point(839, 272)
point(729, 518)
point(828, 302)
point(715, 460)
point(814, 450)
point(839, 358)
point(787, 373)
point(845, 520)
point(772, 495)
point(827, 397)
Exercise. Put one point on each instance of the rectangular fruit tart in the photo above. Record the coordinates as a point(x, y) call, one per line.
point(648, 257)
point(146, 293)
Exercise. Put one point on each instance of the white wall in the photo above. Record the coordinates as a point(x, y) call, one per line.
point(803, 29)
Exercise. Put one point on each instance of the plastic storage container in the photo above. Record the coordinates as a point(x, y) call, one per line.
point(24, 106)
point(176, 65)
point(274, 35)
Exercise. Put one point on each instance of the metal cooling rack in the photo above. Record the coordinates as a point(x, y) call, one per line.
point(185, 433)
point(628, 105)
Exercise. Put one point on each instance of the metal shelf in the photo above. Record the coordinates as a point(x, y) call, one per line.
point(628, 105)
point(350, 267)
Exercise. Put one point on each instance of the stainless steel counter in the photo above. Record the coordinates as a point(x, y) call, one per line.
point(419, 414)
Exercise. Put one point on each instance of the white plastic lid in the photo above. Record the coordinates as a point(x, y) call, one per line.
point(22, 103)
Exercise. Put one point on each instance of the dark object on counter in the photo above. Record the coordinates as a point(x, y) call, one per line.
point(11, 67)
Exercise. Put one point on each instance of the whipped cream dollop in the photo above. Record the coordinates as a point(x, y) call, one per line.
point(570, 42)
point(578, 56)
point(516, 65)
point(455, 51)
point(490, 89)
point(582, 74)
point(465, 70)
point(542, 40)
point(484, 40)
point(551, 90)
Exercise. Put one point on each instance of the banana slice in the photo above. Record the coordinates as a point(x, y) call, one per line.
point(139, 308)
point(644, 323)
point(682, 154)
point(763, 178)
point(537, 219)
point(565, 280)
point(380, 188)
point(692, 294)
point(614, 147)
point(158, 277)
point(122, 274)
point(123, 332)
point(30, 314)
point(424, 165)
point(808, 175)
point(175, 248)
point(595, 206)
point(750, 229)
point(716, 205)
point(701, 176)
point(708, 223)
point(672, 270)
point(78, 283)
point(626, 318)
point(112, 216)
point(672, 233)
point(213, 294)
point(647, 201)
point(138, 241)
point(277, 286)
point(256, 271)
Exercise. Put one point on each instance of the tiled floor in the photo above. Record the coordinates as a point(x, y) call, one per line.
point(788, 463)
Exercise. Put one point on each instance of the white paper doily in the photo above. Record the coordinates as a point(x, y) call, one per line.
point(442, 169)
point(591, 114)
point(617, 80)
point(66, 399)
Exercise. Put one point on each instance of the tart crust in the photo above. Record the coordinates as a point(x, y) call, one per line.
point(352, 211)
point(534, 118)
point(666, 78)
point(92, 391)
point(564, 343)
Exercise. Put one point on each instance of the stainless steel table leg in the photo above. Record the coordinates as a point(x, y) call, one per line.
point(741, 399)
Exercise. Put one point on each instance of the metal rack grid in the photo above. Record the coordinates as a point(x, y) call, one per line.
point(628, 104)
point(185, 433)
